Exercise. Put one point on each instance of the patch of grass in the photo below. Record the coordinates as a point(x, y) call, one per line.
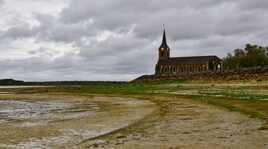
point(253, 108)
point(236, 94)
point(106, 89)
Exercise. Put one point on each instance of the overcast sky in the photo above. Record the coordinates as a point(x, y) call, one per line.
point(44, 40)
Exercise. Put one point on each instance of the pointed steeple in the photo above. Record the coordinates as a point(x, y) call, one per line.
point(164, 40)
point(164, 51)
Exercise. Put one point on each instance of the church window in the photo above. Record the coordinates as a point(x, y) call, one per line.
point(219, 66)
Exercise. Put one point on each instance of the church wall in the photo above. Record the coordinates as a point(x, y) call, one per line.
point(171, 69)
point(254, 73)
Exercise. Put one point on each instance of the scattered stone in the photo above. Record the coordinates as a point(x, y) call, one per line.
point(120, 136)
point(99, 143)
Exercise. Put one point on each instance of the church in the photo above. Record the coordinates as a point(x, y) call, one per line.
point(168, 66)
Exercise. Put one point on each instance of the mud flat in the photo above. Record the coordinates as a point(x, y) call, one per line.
point(159, 122)
point(44, 121)
point(186, 124)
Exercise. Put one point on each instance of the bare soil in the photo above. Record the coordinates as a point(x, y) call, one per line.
point(127, 123)
point(189, 124)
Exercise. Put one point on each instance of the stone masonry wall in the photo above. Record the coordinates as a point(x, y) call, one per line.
point(254, 73)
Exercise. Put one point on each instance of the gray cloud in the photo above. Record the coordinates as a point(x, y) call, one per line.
point(253, 5)
point(19, 31)
point(118, 40)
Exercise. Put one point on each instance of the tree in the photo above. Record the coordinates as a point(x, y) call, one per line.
point(251, 56)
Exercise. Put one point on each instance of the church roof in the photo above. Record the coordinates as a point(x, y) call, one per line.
point(189, 60)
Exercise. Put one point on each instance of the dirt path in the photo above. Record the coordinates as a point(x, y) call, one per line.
point(189, 125)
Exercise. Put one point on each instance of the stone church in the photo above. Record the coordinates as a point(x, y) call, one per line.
point(184, 65)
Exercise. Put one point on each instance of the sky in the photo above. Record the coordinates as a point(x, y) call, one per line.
point(118, 40)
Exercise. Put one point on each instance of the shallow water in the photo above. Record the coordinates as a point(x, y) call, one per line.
point(17, 114)
point(64, 123)
point(22, 113)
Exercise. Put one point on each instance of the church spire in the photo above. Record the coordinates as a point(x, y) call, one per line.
point(164, 51)
point(164, 40)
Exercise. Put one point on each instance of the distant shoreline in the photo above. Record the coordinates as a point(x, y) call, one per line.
point(23, 86)
point(12, 82)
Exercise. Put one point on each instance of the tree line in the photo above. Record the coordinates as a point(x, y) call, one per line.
point(250, 56)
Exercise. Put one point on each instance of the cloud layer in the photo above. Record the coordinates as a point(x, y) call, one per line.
point(118, 40)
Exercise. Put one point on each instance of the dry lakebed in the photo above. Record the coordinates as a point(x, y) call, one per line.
point(60, 121)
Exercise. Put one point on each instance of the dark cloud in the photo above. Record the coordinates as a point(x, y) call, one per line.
point(253, 5)
point(118, 39)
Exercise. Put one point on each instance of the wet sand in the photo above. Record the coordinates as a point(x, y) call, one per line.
point(40, 121)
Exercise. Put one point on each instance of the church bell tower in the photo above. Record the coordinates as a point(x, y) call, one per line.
point(164, 51)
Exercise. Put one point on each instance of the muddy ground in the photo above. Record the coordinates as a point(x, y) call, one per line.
point(42, 121)
point(57, 121)
point(189, 125)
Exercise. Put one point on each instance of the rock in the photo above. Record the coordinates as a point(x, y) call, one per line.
point(99, 143)
point(120, 136)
